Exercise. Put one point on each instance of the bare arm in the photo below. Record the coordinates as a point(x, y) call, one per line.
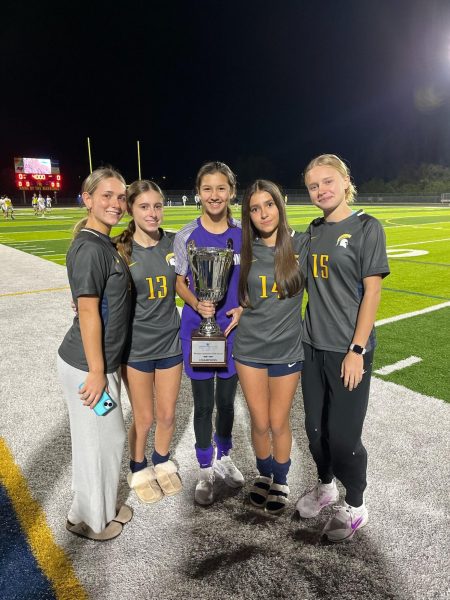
point(353, 364)
point(91, 335)
point(204, 308)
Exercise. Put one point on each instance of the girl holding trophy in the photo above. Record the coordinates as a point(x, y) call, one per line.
point(215, 228)
point(268, 347)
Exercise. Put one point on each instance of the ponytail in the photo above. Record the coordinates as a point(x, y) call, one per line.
point(78, 227)
point(124, 241)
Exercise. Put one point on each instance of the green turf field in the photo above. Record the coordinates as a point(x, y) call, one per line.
point(418, 240)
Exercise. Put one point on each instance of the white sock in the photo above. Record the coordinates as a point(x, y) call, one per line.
point(357, 509)
point(328, 486)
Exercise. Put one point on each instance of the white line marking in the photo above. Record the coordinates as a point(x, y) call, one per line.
point(397, 366)
point(41, 240)
point(404, 252)
point(417, 243)
point(411, 314)
point(28, 248)
point(36, 231)
point(418, 225)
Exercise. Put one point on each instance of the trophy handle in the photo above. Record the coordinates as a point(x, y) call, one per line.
point(190, 251)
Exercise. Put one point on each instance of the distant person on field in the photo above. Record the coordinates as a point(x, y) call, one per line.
point(34, 204)
point(9, 209)
point(48, 203)
point(184, 200)
point(197, 201)
point(41, 205)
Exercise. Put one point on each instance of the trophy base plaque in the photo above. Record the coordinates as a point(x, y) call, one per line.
point(208, 351)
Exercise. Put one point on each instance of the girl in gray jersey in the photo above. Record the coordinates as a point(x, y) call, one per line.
point(346, 263)
point(268, 347)
point(90, 356)
point(153, 358)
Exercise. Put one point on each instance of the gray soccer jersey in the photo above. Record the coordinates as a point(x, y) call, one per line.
point(95, 268)
point(154, 332)
point(341, 255)
point(270, 331)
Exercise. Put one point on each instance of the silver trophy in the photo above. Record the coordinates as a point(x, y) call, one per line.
point(210, 269)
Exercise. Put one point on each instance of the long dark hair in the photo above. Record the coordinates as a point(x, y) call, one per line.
point(288, 276)
point(124, 241)
point(210, 168)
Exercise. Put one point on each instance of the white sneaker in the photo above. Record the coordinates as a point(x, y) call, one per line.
point(321, 495)
point(204, 488)
point(345, 521)
point(227, 470)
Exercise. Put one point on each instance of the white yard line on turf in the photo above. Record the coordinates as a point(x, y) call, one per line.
point(411, 314)
point(405, 244)
point(393, 225)
point(6, 233)
point(397, 366)
point(69, 237)
point(28, 248)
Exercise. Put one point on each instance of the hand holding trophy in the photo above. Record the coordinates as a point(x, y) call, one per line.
point(210, 269)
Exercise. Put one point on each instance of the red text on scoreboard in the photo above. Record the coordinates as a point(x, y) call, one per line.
point(38, 181)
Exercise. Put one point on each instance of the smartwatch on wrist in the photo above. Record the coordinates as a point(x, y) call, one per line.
point(357, 349)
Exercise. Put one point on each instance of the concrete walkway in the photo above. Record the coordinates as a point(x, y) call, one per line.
point(177, 550)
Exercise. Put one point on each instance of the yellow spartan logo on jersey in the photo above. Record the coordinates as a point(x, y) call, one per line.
point(343, 240)
point(170, 259)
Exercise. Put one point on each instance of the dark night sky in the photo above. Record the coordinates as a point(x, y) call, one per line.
point(261, 85)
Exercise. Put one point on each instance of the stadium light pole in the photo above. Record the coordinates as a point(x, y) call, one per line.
point(89, 153)
point(139, 159)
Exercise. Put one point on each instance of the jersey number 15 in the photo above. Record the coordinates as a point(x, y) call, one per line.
point(320, 265)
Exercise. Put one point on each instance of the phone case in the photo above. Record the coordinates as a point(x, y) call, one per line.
point(105, 405)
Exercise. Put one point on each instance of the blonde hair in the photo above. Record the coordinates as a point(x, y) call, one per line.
point(332, 160)
point(89, 186)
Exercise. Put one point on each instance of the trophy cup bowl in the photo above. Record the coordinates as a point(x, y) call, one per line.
point(210, 269)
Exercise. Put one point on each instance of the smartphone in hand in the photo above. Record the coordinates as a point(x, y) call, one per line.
point(105, 405)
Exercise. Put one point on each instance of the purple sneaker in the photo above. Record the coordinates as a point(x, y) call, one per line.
point(321, 495)
point(345, 521)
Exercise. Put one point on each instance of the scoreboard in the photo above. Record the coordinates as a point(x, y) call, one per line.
point(38, 181)
point(37, 174)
